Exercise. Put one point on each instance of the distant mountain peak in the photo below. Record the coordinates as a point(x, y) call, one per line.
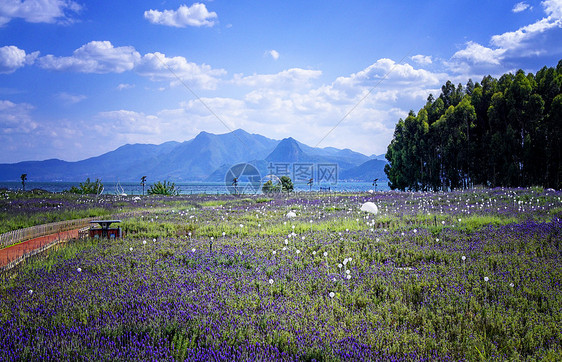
point(207, 156)
point(288, 150)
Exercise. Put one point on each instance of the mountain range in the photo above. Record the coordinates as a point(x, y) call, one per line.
point(207, 157)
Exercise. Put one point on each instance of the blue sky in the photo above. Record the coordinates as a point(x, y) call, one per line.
point(80, 78)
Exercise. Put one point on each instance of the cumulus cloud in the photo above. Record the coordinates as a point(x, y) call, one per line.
point(515, 39)
point(15, 118)
point(521, 6)
point(124, 86)
point(422, 59)
point(521, 42)
point(13, 58)
point(128, 122)
point(68, 98)
point(393, 74)
point(477, 53)
point(94, 57)
point(102, 57)
point(157, 66)
point(295, 77)
point(194, 15)
point(38, 11)
point(274, 54)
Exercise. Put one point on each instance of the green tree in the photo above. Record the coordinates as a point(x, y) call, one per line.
point(23, 178)
point(286, 184)
point(88, 188)
point(143, 182)
point(268, 187)
point(163, 188)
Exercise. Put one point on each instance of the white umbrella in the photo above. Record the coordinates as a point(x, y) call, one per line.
point(370, 207)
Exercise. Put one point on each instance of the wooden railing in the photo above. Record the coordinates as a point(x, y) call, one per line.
point(17, 236)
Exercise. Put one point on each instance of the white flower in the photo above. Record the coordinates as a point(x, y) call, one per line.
point(298, 251)
point(325, 253)
point(144, 242)
point(415, 231)
point(463, 258)
point(486, 279)
point(274, 252)
point(284, 248)
point(347, 272)
point(437, 239)
point(270, 281)
point(314, 253)
point(348, 276)
point(154, 240)
point(340, 266)
point(30, 291)
point(131, 248)
point(286, 242)
point(302, 238)
point(241, 225)
point(193, 250)
point(332, 294)
point(79, 270)
point(223, 233)
point(511, 285)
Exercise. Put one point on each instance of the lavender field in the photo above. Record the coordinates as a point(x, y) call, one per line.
point(473, 275)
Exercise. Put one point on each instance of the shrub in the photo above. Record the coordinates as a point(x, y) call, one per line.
point(164, 188)
point(88, 188)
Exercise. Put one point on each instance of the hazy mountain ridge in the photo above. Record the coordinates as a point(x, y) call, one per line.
point(206, 157)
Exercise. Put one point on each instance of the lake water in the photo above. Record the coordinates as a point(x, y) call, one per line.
point(186, 188)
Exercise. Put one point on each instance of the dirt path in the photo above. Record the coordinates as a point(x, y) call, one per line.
point(16, 251)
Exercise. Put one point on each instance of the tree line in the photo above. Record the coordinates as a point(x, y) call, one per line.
point(499, 132)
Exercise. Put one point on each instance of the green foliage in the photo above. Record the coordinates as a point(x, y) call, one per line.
point(88, 188)
point(164, 188)
point(504, 132)
point(286, 184)
point(23, 179)
point(268, 187)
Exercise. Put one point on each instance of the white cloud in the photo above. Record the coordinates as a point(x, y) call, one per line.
point(523, 42)
point(515, 39)
point(127, 122)
point(274, 54)
point(295, 77)
point(521, 6)
point(390, 73)
point(553, 8)
point(477, 53)
point(422, 59)
point(157, 66)
point(15, 118)
point(38, 11)
point(12, 58)
point(94, 57)
point(195, 15)
point(68, 98)
point(124, 86)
